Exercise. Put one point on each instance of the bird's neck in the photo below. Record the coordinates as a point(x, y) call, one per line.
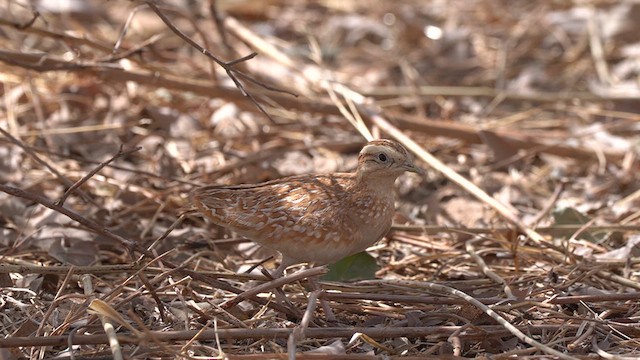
point(379, 184)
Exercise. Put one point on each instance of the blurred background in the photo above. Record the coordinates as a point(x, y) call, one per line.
point(535, 102)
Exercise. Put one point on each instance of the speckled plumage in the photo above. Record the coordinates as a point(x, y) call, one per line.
point(314, 218)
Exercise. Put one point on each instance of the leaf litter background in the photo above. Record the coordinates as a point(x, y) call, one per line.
point(536, 103)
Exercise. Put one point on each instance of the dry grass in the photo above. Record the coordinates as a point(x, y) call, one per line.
point(520, 240)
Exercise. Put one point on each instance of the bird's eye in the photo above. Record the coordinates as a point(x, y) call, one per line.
point(382, 157)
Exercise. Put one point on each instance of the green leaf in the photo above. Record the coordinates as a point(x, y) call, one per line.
point(571, 216)
point(360, 266)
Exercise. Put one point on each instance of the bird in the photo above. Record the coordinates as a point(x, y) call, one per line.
point(314, 218)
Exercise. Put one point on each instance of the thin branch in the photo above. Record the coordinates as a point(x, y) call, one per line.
point(100, 166)
point(63, 179)
point(298, 275)
point(435, 332)
point(217, 20)
point(227, 66)
point(90, 224)
point(29, 23)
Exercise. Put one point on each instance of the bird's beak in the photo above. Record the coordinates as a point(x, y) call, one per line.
point(411, 167)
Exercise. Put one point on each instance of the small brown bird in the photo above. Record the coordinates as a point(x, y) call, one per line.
point(317, 219)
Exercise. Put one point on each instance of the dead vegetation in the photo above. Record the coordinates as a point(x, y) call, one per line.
point(519, 242)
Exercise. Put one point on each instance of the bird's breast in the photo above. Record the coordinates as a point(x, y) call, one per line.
point(373, 216)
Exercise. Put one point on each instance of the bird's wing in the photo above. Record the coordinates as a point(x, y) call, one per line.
point(292, 216)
